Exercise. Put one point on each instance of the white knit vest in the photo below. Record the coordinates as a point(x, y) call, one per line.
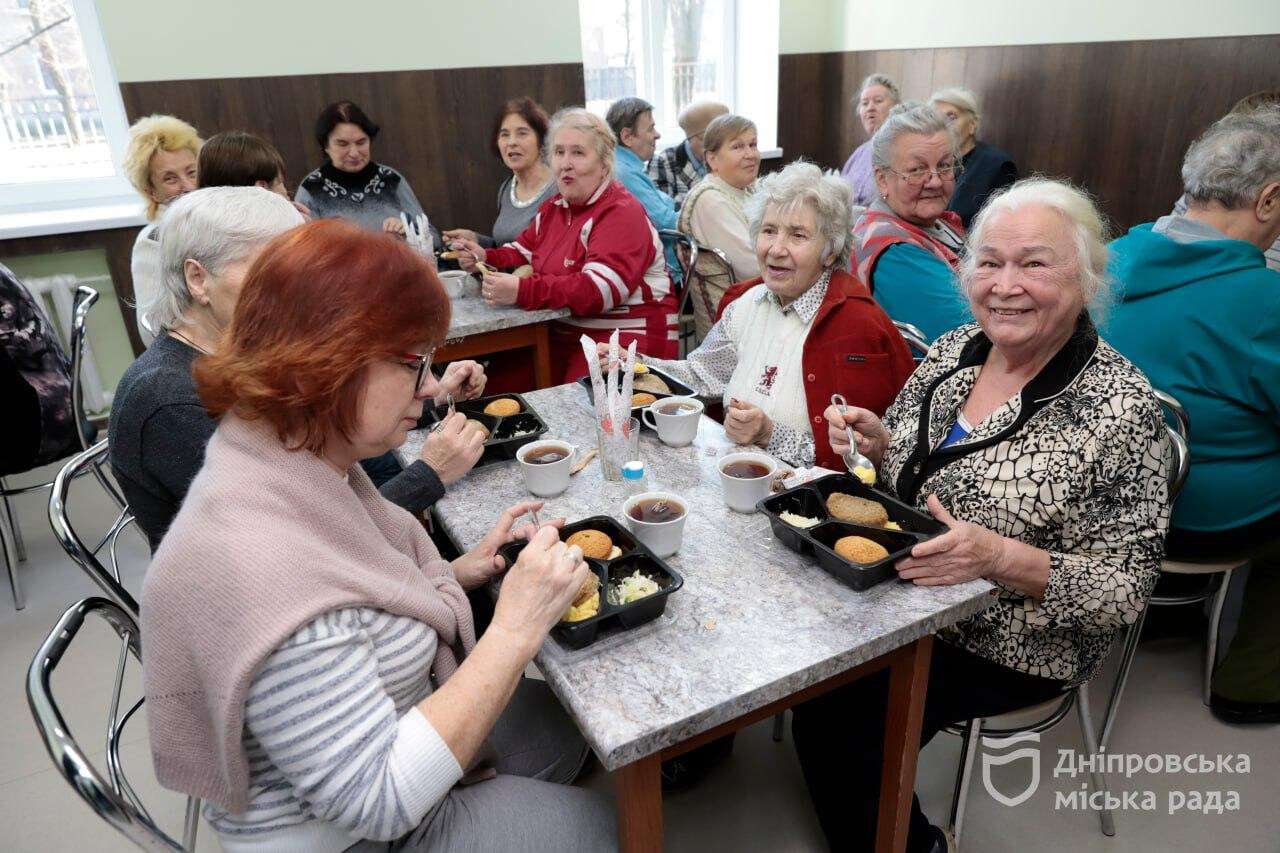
point(770, 372)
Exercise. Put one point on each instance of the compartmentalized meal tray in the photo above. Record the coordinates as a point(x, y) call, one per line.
point(635, 557)
point(810, 500)
point(678, 389)
point(507, 434)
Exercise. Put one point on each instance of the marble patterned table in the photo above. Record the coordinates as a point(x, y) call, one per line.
point(477, 330)
point(757, 628)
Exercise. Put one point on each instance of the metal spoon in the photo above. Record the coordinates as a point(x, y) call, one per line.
point(436, 426)
point(853, 460)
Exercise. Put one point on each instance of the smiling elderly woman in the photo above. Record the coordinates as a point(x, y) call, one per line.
point(592, 250)
point(907, 246)
point(806, 316)
point(1044, 452)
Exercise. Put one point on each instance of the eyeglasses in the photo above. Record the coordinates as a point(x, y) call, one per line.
point(918, 176)
point(422, 361)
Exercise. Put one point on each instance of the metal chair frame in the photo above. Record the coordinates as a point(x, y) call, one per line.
point(15, 550)
point(688, 251)
point(112, 799)
point(915, 339)
point(1095, 741)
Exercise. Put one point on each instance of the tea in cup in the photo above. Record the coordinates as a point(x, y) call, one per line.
point(675, 419)
point(546, 466)
point(747, 478)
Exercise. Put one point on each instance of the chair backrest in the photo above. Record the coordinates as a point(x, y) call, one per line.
point(85, 298)
point(1179, 437)
point(915, 339)
point(84, 556)
point(114, 801)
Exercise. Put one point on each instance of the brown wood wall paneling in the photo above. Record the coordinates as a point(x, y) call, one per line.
point(1116, 117)
point(434, 123)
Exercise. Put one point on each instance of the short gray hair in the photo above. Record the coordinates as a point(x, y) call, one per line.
point(1089, 228)
point(624, 113)
point(799, 183)
point(963, 98)
point(907, 117)
point(1234, 159)
point(215, 227)
point(878, 79)
point(582, 119)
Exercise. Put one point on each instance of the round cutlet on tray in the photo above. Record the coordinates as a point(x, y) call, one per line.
point(859, 549)
point(651, 384)
point(593, 543)
point(503, 407)
point(856, 510)
point(642, 399)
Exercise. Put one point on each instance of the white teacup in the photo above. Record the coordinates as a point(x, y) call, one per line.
point(663, 537)
point(742, 493)
point(454, 282)
point(546, 479)
point(675, 419)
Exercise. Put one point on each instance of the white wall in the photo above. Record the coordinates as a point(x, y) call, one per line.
point(197, 39)
point(837, 25)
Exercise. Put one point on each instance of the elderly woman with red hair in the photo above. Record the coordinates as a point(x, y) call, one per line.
point(324, 689)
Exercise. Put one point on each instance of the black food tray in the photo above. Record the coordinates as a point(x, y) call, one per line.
point(810, 500)
point(678, 389)
point(635, 557)
point(501, 446)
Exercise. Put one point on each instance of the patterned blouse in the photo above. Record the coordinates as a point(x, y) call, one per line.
point(1076, 464)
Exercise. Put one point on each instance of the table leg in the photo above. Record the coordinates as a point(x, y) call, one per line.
point(908, 682)
point(542, 356)
point(638, 787)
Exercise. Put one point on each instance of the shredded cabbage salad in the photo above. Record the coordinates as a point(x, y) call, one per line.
point(633, 587)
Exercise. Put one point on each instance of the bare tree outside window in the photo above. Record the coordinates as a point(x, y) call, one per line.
point(51, 126)
point(686, 37)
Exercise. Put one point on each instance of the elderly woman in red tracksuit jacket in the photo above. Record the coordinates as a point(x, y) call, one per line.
point(592, 250)
point(785, 342)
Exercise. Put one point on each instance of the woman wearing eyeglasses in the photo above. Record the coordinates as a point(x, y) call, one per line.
point(907, 247)
point(159, 427)
point(986, 167)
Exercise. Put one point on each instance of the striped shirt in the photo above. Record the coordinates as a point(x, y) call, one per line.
point(337, 749)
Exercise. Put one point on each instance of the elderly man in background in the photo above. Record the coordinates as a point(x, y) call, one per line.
point(677, 169)
point(1201, 316)
point(161, 163)
point(631, 120)
point(1247, 104)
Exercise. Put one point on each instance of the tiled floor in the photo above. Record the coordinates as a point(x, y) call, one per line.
point(756, 801)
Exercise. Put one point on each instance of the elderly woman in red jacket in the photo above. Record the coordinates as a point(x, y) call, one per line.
point(592, 250)
point(804, 330)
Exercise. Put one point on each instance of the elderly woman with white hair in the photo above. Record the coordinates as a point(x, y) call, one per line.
point(161, 163)
point(1044, 452)
point(159, 427)
point(592, 250)
point(805, 329)
point(877, 95)
point(984, 168)
point(1200, 315)
point(907, 246)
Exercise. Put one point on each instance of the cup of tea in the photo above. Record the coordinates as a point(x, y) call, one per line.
point(746, 479)
point(675, 419)
point(657, 520)
point(454, 282)
point(546, 466)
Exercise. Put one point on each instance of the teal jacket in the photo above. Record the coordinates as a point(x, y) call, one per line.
point(1202, 320)
point(660, 206)
point(912, 286)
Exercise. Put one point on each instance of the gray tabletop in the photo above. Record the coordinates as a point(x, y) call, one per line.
point(471, 316)
point(755, 622)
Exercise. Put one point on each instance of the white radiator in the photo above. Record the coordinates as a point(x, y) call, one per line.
point(57, 294)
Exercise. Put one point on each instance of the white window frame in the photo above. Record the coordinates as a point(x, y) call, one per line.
point(57, 197)
point(751, 29)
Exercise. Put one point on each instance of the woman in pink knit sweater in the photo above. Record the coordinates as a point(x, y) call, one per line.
point(310, 662)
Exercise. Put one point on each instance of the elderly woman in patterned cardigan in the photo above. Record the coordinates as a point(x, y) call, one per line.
point(1044, 452)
